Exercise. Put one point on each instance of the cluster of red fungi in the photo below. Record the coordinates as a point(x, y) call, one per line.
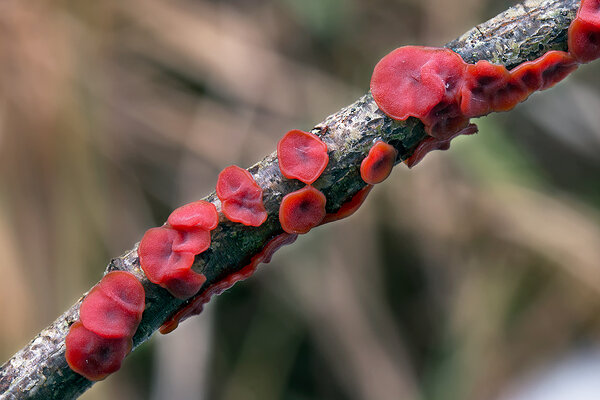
point(434, 85)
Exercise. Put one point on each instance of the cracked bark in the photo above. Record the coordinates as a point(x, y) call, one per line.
point(522, 33)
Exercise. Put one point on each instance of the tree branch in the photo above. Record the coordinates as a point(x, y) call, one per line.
point(524, 32)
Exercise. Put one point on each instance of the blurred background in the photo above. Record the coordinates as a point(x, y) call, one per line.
point(473, 276)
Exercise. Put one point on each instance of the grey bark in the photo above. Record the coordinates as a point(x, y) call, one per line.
point(524, 32)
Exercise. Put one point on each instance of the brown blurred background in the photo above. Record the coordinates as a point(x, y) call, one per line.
point(462, 279)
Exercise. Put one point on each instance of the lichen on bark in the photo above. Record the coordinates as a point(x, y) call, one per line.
point(522, 33)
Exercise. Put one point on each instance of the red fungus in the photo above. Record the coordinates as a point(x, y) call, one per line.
point(93, 356)
point(166, 266)
point(114, 307)
point(349, 207)
point(241, 197)
point(302, 210)
point(195, 305)
point(412, 80)
point(378, 164)
point(584, 32)
point(198, 214)
point(302, 156)
point(482, 82)
point(157, 256)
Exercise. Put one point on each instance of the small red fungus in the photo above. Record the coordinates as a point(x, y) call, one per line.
point(302, 156)
point(584, 32)
point(412, 80)
point(349, 207)
point(241, 197)
point(198, 214)
point(195, 305)
point(482, 82)
point(378, 164)
point(113, 308)
point(93, 356)
point(302, 210)
point(157, 256)
point(167, 267)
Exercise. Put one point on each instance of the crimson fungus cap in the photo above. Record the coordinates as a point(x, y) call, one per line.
point(378, 164)
point(93, 356)
point(113, 308)
point(302, 210)
point(544, 72)
point(555, 65)
point(411, 80)
point(482, 82)
point(241, 197)
point(198, 214)
point(157, 256)
point(302, 155)
point(584, 32)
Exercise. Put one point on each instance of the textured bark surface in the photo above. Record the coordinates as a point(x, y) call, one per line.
point(524, 32)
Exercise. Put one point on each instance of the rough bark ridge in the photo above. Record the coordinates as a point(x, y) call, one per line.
point(524, 32)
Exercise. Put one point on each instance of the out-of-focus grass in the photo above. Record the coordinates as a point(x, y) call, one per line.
point(453, 280)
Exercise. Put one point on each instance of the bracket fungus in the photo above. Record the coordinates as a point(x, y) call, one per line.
point(241, 197)
point(302, 155)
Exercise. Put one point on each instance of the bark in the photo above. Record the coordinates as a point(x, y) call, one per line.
point(524, 32)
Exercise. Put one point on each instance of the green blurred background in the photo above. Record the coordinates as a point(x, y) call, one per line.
point(464, 278)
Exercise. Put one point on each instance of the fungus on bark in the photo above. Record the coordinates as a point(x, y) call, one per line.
point(241, 197)
point(584, 32)
point(93, 356)
point(302, 155)
point(482, 83)
point(378, 164)
point(302, 210)
point(198, 214)
point(113, 308)
point(166, 266)
point(412, 80)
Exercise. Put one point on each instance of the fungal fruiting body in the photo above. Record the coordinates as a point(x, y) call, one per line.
point(302, 210)
point(113, 308)
point(93, 356)
point(302, 155)
point(166, 263)
point(109, 317)
point(241, 197)
point(378, 164)
point(436, 86)
point(584, 32)
point(195, 305)
point(198, 214)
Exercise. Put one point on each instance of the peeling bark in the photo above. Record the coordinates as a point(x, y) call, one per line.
point(522, 33)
